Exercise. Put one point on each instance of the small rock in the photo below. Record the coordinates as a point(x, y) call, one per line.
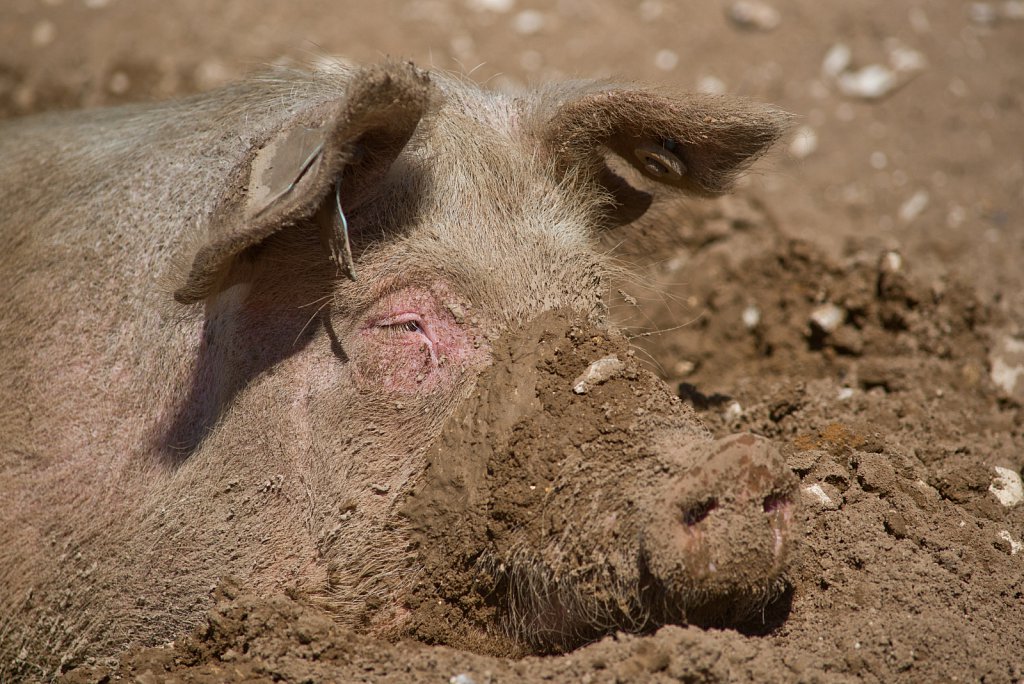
point(733, 411)
point(891, 262)
point(651, 10)
point(822, 495)
point(751, 317)
point(43, 33)
point(906, 60)
point(895, 524)
point(914, 205)
point(804, 143)
point(211, 74)
point(1015, 546)
point(598, 373)
point(845, 393)
point(754, 15)
point(528, 22)
point(499, 6)
point(828, 317)
point(710, 85)
point(982, 13)
point(462, 678)
point(666, 60)
point(379, 488)
point(684, 368)
point(873, 82)
point(119, 83)
point(837, 60)
point(1007, 363)
point(1007, 487)
point(1013, 10)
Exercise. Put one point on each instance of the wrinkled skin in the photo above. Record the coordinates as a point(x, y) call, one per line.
point(271, 423)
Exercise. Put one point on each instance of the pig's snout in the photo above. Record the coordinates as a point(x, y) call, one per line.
point(723, 531)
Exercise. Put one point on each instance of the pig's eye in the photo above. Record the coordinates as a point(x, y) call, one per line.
point(403, 324)
point(406, 326)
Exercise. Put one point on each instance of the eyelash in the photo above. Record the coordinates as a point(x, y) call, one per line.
point(403, 328)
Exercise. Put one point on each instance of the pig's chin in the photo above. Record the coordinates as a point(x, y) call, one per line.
point(554, 614)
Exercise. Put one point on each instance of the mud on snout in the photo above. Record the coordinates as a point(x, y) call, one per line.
point(567, 499)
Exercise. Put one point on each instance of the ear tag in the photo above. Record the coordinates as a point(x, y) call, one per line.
point(341, 250)
point(659, 160)
point(281, 165)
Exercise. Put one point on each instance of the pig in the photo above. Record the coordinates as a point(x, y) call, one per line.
point(236, 327)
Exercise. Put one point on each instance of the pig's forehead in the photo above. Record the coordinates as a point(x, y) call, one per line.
point(492, 109)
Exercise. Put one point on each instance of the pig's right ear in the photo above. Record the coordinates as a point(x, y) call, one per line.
point(685, 141)
point(345, 147)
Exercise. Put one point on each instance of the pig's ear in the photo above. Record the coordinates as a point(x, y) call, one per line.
point(345, 147)
point(694, 143)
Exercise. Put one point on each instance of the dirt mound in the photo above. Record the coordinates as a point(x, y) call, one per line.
point(911, 567)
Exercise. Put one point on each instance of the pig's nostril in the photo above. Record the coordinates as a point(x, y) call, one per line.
point(775, 502)
point(694, 514)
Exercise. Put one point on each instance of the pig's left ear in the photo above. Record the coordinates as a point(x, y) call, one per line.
point(343, 149)
point(694, 143)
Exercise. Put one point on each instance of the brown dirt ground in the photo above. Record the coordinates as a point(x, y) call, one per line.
point(892, 417)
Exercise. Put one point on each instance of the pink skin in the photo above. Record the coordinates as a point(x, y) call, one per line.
point(413, 342)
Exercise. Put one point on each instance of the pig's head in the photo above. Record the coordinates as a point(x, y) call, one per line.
point(356, 280)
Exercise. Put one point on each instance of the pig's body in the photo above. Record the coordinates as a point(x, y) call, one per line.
point(271, 428)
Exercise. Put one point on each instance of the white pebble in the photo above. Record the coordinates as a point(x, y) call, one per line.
point(817, 494)
point(914, 205)
point(870, 83)
point(96, 4)
point(905, 60)
point(666, 60)
point(43, 33)
point(1013, 10)
point(651, 10)
point(752, 14)
point(982, 13)
point(711, 85)
point(597, 373)
point(733, 411)
point(837, 60)
point(892, 262)
point(1015, 546)
point(1007, 486)
point(751, 317)
point(211, 74)
point(845, 393)
point(878, 160)
point(119, 83)
point(528, 22)
point(684, 368)
point(500, 6)
point(462, 679)
point(1007, 362)
point(828, 317)
point(804, 143)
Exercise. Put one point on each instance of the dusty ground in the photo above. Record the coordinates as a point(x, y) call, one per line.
point(860, 301)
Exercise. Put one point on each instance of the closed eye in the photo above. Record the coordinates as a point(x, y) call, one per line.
point(404, 325)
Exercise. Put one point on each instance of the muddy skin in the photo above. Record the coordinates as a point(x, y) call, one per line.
point(548, 517)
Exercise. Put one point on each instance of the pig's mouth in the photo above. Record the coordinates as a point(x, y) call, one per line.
point(552, 613)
